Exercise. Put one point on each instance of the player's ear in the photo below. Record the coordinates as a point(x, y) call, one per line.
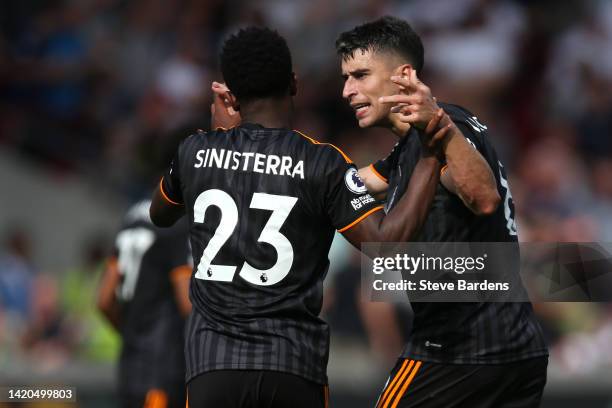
point(403, 70)
point(293, 84)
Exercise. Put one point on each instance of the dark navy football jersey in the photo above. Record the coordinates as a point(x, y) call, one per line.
point(464, 333)
point(263, 205)
point(151, 327)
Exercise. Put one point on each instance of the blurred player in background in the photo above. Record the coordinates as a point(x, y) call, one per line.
point(459, 354)
point(263, 202)
point(144, 294)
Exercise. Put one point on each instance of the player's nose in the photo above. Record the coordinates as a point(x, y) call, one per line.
point(349, 89)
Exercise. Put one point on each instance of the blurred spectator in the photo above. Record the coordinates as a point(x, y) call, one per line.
point(95, 339)
point(48, 338)
point(16, 274)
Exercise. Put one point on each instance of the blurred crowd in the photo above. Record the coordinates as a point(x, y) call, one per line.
point(105, 89)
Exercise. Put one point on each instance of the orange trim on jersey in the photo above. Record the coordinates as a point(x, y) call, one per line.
point(380, 176)
point(406, 384)
point(180, 272)
point(326, 395)
point(316, 142)
point(443, 170)
point(388, 388)
point(156, 398)
point(397, 385)
point(161, 189)
point(224, 129)
point(358, 220)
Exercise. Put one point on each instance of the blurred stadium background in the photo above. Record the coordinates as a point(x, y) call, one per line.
point(95, 95)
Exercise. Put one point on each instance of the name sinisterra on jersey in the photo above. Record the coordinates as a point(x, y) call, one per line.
point(248, 161)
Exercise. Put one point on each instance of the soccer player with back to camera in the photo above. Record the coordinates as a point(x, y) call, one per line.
point(263, 202)
point(144, 295)
point(458, 354)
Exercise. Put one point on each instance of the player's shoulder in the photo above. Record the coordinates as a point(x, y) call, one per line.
point(456, 112)
point(138, 212)
point(469, 124)
point(137, 216)
point(197, 136)
point(190, 142)
point(330, 152)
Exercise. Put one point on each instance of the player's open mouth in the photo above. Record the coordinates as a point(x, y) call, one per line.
point(360, 109)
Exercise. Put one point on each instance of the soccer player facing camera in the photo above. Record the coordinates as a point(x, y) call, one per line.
point(263, 202)
point(458, 354)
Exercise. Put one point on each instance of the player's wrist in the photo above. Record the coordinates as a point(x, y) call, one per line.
point(431, 159)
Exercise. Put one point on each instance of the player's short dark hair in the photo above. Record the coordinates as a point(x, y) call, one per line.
point(256, 63)
point(385, 34)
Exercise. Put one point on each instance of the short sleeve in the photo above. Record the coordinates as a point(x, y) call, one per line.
point(347, 198)
point(383, 167)
point(170, 184)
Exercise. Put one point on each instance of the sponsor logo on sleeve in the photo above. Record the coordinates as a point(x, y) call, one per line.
point(359, 202)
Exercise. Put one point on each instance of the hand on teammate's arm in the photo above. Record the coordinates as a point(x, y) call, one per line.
point(107, 301)
point(467, 174)
point(405, 220)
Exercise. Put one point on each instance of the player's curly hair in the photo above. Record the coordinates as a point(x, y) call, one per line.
point(385, 34)
point(256, 63)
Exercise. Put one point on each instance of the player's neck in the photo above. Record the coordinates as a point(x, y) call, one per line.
point(270, 113)
point(399, 128)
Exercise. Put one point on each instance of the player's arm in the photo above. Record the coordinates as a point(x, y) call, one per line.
point(467, 174)
point(167, 202)
point(373, 180)
point(405, 220)
point(107, 300)
point(180, 278)
point(164, 211)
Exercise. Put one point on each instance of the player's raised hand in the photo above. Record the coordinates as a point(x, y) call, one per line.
point(224, 113)
point(414, 103)
point(435, 133)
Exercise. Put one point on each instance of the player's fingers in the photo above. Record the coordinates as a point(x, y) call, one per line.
point(395, 99)
point(398, 108)
point(219, 87)
point(231, 99)
point(418, 86)
point(409, 118)
point(404, 82)
point(440, 135)
point(434, 122)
